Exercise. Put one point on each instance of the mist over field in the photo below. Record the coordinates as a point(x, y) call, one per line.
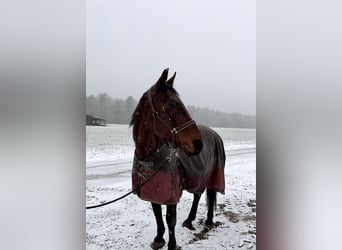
point(120, 112)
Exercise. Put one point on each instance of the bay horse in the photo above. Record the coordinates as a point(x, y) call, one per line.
point(159, 121)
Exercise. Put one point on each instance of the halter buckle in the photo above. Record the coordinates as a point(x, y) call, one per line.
point(174, 131)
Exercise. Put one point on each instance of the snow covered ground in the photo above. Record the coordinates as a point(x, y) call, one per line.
point(130, 224)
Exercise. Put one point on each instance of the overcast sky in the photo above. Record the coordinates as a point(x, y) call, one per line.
point(210, 44)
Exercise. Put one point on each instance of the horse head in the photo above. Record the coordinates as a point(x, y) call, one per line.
point(163, 114)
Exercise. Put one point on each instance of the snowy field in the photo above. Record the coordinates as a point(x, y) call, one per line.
point(130, 224)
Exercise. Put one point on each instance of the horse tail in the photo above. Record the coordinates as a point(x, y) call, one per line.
point(211, 198)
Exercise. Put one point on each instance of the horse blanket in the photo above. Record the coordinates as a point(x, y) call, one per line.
point(157, 178)
point(162, 176)
point(205, 170)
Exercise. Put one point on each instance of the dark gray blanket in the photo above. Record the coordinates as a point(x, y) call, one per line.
point(205, 170)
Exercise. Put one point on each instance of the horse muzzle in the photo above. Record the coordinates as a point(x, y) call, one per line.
point(195, 149)
point(198, 145)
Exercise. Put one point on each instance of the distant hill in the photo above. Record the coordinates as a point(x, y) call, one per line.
point(120, 112)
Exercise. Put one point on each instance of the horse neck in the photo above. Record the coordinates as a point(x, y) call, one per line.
point(146, 141)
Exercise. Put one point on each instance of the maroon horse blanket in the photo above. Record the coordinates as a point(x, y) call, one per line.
point(157, 178)
point(161, 177)
point(205, 170)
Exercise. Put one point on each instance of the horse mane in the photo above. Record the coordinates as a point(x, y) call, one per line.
point(136, 110)
point(132, 121)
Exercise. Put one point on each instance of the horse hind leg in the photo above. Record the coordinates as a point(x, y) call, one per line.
point(211, 204)
point(159, 241)
point(192, 215)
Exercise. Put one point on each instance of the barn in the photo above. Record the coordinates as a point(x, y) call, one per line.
point(95, 121)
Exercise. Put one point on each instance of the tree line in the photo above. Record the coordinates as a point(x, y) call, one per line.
point(120, 111)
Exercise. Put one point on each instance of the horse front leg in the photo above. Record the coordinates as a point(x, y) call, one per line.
point(159, 241)
point(171, 219)
point(192, 215)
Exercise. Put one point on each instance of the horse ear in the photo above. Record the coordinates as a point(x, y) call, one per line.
point(163, 77)
point(169, 82)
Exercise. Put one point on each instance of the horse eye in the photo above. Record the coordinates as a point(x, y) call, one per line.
point(171, 105)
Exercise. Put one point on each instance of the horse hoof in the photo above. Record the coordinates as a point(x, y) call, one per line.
point(177, 248)
point(188, 225)
point(209, 224)
point(157, 245)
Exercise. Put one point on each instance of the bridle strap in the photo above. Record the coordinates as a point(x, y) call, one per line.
point(174, 131)
point(182, 127)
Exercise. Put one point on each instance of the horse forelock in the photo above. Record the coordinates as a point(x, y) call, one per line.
point(165, 88)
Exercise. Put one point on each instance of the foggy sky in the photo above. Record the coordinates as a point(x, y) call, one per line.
point(210, 44)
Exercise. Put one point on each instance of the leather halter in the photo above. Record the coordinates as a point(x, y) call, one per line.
point(173, 130)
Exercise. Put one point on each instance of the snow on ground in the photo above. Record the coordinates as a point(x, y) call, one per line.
point(130, 224)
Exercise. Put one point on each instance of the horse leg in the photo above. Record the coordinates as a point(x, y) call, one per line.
point(159, 241)
point(171, 219)
point(192, 215)
point(211, 203)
